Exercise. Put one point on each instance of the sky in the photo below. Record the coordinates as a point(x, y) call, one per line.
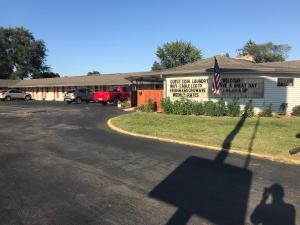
point(113, 36)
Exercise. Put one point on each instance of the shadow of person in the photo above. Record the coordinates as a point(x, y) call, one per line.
point(275, 213)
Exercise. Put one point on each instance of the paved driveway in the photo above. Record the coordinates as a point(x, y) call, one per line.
point(61, 165)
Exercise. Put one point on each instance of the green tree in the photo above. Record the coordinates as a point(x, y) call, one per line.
point(47, 74)
point(156, 66)
point(266, 52)
point(93, 73)
point(21, 55)
point(172, 54)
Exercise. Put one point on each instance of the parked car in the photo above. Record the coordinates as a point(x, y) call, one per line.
point(78, 95)
point(114, 94)
point(9, 94)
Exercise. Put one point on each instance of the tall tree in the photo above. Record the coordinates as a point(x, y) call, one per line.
point(266, 52)
point(172, 54)
point(47, 74)
point(93, 73)
point(21, 55)
point(156, 66)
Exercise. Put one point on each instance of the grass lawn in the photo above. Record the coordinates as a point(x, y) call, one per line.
point(273, 136)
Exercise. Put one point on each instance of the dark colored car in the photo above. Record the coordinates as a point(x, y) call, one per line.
point(79, 95)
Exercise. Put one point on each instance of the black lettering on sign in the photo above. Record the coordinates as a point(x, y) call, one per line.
point(242, 87)
point(175, 81)
point(189, 87)
point(252, 85)
point(186, 81)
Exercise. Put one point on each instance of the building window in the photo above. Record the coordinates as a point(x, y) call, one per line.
point(47, 90)
point(63, 89)
point(285, 82)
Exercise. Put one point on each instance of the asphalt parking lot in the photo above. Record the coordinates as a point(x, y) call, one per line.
point(61, 165)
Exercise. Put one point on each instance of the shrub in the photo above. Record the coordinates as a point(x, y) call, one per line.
point(233, 107)
point(167, 105)
point(179, 107)
point(198, 108)
point(296, 111)
point(150, 106)
point(221, 109)
point(189, 106)
point(267, 111)
point(126, 104)
point(140, 108)
point(249, 110)
point(176, 107)
point(210, 108)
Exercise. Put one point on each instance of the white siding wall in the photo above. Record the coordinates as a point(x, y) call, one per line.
point(278, 95)
point(293, 95)
point(274, 95)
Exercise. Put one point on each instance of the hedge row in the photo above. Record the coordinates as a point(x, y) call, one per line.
point(210, 108)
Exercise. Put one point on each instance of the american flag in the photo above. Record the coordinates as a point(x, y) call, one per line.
point(216, 79)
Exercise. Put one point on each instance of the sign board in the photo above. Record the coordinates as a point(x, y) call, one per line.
point(242, 87)
point(189, 87)
point(200, 87)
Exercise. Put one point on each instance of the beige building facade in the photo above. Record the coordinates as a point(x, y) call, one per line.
point(53, 89)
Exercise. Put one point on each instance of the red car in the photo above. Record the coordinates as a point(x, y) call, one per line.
point(114, 94)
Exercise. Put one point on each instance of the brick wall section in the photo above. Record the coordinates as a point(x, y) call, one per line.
point(155, 95)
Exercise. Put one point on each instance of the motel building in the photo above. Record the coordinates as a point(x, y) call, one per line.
point(53, 89)
point(275, 83)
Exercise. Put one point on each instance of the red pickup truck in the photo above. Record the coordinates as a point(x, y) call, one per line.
point(114, 94)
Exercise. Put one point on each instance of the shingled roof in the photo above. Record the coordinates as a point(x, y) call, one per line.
point(286, 64)
point(113, 79)
point(7, 83)
point(226, 64)
point(231, 64)
point(202, 66)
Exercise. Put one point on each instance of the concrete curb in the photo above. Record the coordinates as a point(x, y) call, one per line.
point(268, 157)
